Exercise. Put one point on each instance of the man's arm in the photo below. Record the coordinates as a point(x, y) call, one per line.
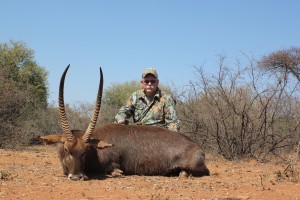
point(125, 112)
point(171, 117)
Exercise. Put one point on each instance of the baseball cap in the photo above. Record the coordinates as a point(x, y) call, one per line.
point(150, 71)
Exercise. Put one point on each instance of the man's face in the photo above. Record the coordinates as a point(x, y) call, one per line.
point(149, 83)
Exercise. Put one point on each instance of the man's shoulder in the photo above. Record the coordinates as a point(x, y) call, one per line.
point(137, 94)
point(164, 94)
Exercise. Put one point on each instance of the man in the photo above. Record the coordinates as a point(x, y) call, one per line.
point(150, 106)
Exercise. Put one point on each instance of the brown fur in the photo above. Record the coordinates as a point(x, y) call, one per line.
point(136, 150)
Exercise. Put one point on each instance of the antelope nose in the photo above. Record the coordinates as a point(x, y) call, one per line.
point(73, 177)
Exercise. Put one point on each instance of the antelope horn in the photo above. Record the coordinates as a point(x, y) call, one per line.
point(62, 111)
point(92, 124)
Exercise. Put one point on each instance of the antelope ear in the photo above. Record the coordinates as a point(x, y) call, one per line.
point(53, 139)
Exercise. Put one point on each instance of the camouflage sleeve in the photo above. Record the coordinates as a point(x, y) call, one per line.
point(125, 112)
point(171, 117)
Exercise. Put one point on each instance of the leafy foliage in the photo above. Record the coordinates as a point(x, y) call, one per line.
point(23, 90)
point(117, 94)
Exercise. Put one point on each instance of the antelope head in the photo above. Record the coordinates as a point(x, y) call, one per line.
point(74, 151)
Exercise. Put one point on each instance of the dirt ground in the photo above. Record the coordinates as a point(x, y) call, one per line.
point(35, 173)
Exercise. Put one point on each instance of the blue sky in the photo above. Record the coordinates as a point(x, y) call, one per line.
point(126, 36)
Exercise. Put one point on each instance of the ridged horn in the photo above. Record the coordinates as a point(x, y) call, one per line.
point(92, 124)
point(62, 111)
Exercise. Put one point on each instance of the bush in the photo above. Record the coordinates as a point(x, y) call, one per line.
point(23, 93)
point(241, 113)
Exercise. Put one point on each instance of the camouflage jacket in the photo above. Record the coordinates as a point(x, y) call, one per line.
point(161, 113)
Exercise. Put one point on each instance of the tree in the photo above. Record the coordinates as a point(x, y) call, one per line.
point(23, 90)
point(117, 94)
point(283, 61)
point(23, 71)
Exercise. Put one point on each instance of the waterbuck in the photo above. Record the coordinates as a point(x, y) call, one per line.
point(114, 149)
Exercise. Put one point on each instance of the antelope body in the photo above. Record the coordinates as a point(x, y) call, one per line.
point(115, 149)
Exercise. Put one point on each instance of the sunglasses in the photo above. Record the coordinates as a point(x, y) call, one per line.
point(148, 81)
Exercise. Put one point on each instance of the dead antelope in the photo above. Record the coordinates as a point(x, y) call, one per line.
point(115, 149)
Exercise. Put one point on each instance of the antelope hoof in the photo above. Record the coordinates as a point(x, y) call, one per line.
point(183, 174)
point(116, 173)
